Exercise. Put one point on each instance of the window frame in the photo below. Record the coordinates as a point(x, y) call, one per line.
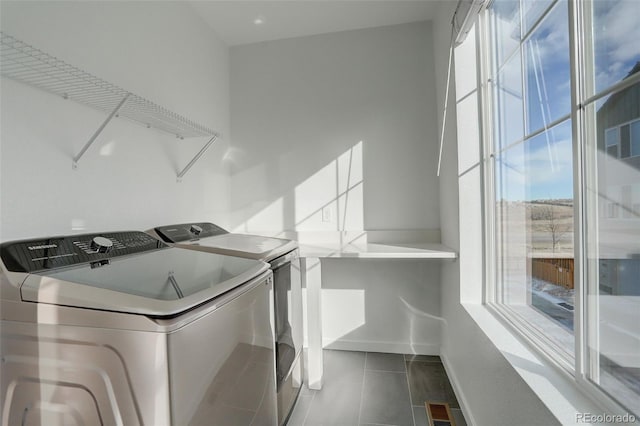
point(582, 366)
point(631, 133)
point(490, 151)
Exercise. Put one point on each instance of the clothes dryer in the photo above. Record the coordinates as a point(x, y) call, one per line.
point(119, 328)
point(283, 257)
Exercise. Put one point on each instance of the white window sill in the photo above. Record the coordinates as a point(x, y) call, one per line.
point(551, 329)
point(555, 388)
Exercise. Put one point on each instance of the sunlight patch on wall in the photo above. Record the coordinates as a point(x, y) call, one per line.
point(314, 195)
point(332, 199)
point(350, 168)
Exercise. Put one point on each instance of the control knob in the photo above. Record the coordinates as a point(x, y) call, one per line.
point(195, 229)
point(101, 245)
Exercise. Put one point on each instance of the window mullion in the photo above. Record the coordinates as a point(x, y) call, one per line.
point(526, 35)
point(576, 45)
point(487, 76)
point(619, 86)
point(523, 77)
point(536, 133)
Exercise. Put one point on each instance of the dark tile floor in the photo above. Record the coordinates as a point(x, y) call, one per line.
point(368, 388)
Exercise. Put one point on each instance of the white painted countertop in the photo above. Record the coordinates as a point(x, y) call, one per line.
point(378, 251)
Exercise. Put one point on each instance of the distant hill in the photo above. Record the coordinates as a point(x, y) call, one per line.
point(568, 202)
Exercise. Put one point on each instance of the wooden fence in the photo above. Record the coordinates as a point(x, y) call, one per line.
point(555, 271)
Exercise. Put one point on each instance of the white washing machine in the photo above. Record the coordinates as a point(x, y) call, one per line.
point(121, 329)
point(283, 257)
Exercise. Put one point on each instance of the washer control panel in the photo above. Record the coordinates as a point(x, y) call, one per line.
point(58, 252)
point(189, 231)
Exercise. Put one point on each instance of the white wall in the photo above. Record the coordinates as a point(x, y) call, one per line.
point(489, 389)
point(315, 116)
point(127, 180)
point(381, 305)
point(345, 122)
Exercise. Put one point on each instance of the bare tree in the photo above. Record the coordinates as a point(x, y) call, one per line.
point(550, 223)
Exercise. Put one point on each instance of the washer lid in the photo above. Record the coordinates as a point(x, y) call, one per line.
point(250, 246)
point(209, 237)
point(158, 283)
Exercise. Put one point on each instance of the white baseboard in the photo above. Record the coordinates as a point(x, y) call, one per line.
point(386, 347)
point(457, 388)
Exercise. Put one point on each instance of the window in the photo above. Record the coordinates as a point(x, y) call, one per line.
point(533, 167)
point(623, 141)
point(635, 138)
point(559, 100)
point(612, 141)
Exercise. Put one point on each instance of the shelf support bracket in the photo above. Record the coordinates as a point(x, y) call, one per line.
point(97, 132)
point(196, 158)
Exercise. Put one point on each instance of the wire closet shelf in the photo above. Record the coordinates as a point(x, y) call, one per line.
point(26, 64)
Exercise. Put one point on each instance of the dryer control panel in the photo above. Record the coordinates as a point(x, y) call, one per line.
point(62, 251)
point(189, 231)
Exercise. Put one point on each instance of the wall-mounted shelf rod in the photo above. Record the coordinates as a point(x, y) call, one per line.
point(100, 129)
point(196, 158)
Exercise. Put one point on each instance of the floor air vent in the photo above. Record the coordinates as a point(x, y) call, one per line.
point(439, 414)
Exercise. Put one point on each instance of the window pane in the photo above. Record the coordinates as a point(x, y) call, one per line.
point(625, 142)
point(613, 255)
point(534, 220)
point(635, 138)
point(509, 115)
point(611, 136)
point(505, 26)
point(532, 10)
point(546, 58)
point(616, 50)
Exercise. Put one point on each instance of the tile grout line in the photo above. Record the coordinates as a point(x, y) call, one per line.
point(389, 371)
point(406, 371)
point(379, 424)
point(364, 374)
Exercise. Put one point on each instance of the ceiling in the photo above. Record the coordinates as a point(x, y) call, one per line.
point(243, 21)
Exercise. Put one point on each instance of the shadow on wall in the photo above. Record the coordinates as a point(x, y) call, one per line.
point(331, 199)
point(383, 304)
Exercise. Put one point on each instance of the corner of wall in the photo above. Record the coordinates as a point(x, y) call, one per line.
point(448, 183)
